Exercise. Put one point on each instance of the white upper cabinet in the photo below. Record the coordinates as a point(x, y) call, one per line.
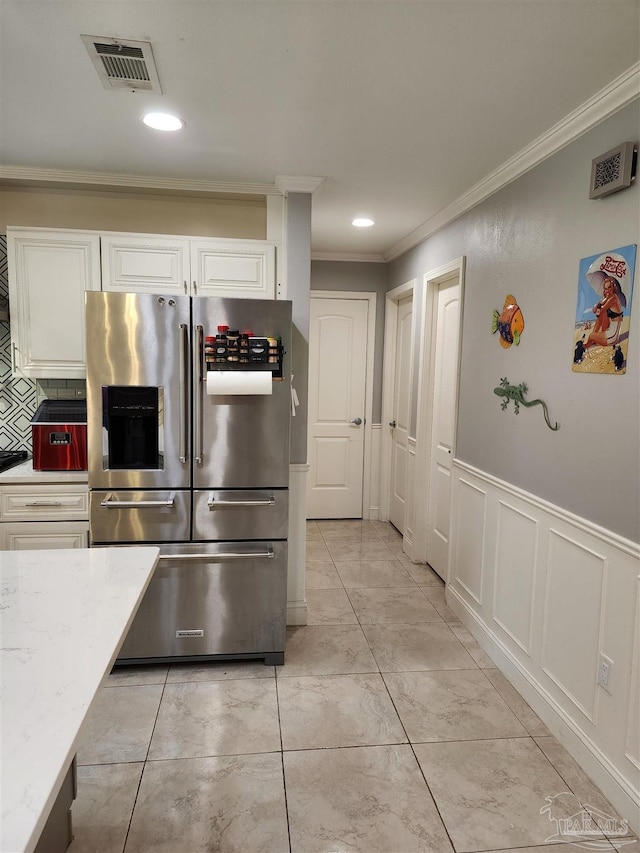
point(200, 267)
point(243, 269)
point(49, 272)
point(135, 263)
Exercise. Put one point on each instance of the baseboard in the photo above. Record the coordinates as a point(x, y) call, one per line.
point(372, 514)
point(296, 613)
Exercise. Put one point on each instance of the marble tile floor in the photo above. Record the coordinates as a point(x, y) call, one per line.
point(387, 730)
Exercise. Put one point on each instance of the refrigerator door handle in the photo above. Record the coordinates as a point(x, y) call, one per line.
point(217, 504)
point(184, 356)
point(217, 558)
point(198, 384)
point(109, 503)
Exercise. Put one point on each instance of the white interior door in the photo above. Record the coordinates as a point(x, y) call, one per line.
point(444, 406)
point(337, 382)
point(400, 415)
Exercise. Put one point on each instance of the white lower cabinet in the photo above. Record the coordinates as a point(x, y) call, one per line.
point(42, 516)
point(43, 535)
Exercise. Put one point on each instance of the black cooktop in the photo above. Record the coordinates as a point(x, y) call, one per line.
point(9, 458)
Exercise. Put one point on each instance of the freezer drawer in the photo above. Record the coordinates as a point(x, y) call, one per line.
point(240, 514)
point(220, 599)
point(139, 516)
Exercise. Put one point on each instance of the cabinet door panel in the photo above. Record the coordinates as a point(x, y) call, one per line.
point(42, 535)
point(48, 274)
point(139, 264)
point(240, 268)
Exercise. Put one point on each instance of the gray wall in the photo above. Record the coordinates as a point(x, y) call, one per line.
point(298, 251)
point(528, 240)
point(363, 278)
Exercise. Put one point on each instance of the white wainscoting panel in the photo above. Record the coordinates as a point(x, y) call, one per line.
point(546, 593)
point(468, 547)
point(571, 627)
point(632, 743)
point(516, 558)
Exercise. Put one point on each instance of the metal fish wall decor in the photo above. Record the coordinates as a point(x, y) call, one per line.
point(509, 324)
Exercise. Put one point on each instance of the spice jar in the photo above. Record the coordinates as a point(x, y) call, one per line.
point(209, 349)
point(233, 338)
point(220, 344)
point(273, 350)
point(243, 345)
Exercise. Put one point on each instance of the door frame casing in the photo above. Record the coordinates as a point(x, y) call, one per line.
point(371, 298)
point(393, 297)
point(426, 379)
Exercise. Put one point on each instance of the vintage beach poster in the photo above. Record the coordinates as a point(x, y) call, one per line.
point(605, 286)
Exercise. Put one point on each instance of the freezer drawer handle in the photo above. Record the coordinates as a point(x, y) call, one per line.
point(217, 558)
point(109, 503)
point(212, 503)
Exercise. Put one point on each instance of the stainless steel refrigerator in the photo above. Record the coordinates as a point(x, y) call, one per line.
point(189, 450)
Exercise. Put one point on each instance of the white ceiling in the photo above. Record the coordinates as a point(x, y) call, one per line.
point(400, 106)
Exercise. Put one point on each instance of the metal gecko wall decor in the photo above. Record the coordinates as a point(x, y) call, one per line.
point(516, 393)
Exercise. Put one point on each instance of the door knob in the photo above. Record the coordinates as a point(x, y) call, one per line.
point(356, 421)
point(392, 424)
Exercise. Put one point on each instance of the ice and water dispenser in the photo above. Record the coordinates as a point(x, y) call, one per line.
point(133, 423)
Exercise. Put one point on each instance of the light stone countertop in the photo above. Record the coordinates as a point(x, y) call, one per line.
point(25, 474)
point(64, 616)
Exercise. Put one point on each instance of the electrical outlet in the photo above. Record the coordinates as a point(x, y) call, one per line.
point(605, 672)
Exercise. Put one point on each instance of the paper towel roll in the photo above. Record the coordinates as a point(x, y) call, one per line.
point(239, 382)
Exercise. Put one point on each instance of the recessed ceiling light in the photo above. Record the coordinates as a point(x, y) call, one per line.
point(362, 222)
point(163, 121)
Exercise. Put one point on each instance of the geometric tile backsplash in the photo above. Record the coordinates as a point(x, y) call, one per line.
point(19, 397)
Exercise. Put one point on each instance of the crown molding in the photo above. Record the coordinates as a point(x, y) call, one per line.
point(618, 94)
point(25, 174)
point(298, 184)
point(348, 256)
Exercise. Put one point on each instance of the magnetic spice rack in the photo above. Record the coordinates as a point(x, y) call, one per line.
point(257, 362)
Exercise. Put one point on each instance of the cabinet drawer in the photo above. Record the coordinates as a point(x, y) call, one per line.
point(32, 503)
point(43, 535)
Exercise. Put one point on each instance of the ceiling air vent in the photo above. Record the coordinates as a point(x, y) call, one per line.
point(123, 64)
point(613, 170)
